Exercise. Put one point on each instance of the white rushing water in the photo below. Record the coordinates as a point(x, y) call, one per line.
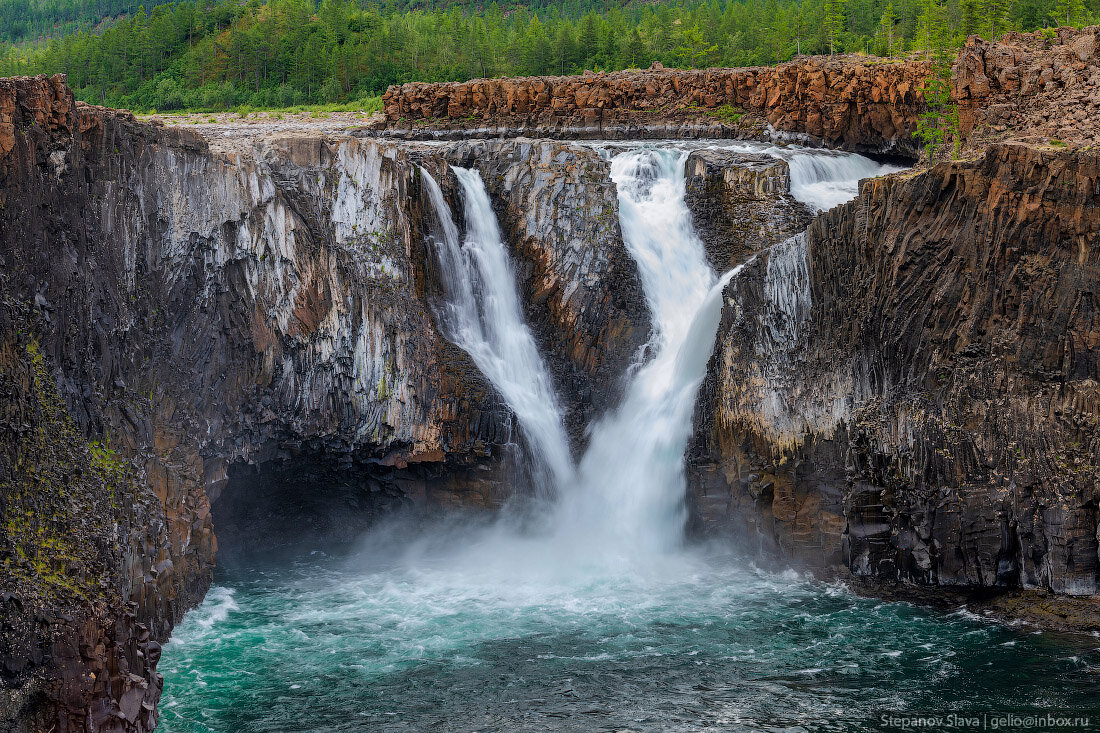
point(629, 498)
point(482, 315)
point(823, 179)
point(625, 499)
point(624, 503)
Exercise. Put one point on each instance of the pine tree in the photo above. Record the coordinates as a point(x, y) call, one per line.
point(633, 51)
point(971, 11)
point(997, 17)
point(1069, 12)
point(886, 28)
point(939, 123)
point(834, 22)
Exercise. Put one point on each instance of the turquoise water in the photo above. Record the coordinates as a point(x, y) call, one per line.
point(472, 632)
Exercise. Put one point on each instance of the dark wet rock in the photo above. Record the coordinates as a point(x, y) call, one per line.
point(171, 315)
point(909, 392)
point(740, 204)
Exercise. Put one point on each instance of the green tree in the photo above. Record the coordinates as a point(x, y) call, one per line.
point(998, 14)
point(888, 32)
point(1069, 12)
point(834, 23)
point(939, 123)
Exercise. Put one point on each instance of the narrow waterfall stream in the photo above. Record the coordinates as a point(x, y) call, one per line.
point(482, 314)
point(604, 619)
point(629, 496)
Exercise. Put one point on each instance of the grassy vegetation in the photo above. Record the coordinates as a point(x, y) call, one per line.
point(363, 107)
point(727, 113)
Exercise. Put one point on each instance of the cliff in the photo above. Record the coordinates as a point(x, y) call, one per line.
point(1038, 88)
point(909, 390)
point(741, 204)
point(854, 103)
point(189, 325)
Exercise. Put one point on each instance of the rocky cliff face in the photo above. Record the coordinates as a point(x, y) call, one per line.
point(185, 327)
point(909, 391)
point(843, 102)
point(741, 204)
point(1030, 87)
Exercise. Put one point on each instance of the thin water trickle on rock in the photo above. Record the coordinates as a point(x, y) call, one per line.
point(602, 620)
point(482, 315)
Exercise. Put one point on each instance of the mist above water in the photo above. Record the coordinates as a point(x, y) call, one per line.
point(623, 504)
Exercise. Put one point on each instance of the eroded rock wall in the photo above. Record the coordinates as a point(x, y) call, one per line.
point(845, 102)
point(189, 324)
point(740, 204)
point(189, 310)
point(1039, 88)
point(909, 391)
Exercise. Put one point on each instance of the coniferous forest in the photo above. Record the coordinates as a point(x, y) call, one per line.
point(204, 54)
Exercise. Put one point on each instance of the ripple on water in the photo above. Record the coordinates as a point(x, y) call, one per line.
point(325, 643)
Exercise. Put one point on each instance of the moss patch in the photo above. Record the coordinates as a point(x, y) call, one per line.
point(61, 494)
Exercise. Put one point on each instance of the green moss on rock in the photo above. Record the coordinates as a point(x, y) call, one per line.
point(60, 493)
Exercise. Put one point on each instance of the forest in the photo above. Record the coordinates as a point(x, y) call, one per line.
point(210, 55)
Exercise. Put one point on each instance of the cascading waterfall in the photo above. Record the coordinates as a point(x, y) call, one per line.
point(630, 491)
point(625, 499)
point(482, 315)
point(824, 179)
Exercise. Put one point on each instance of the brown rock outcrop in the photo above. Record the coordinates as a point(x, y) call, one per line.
point(909, 391)
point(1030, 87)
point(845, 102)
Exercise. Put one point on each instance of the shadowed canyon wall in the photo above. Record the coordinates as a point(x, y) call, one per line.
point(909, 390)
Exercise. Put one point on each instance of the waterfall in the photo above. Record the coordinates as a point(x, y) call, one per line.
point(629, 498)
point(481, 314)
point(625, 499)
point(824, 179)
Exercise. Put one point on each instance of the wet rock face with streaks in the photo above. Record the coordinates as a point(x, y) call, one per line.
point(741, 204)
point(171, 314)
point(909, 391)
point(558, 211)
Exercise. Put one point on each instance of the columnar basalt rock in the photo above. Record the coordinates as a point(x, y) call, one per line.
point(740, 204)
point(909, 391)
point(846, 102)
point(170, 312)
